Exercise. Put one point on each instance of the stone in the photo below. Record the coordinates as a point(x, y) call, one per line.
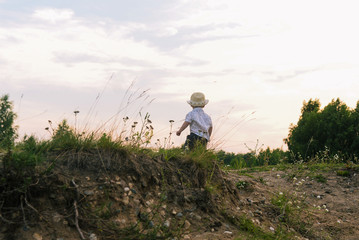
point(93, 236)
point(57, 218)
point(37, 236)
point(126, 200)
point(258, 213)
point(228, 232)
point(167, 223)
point(89, 192)
point(127, 189)
point(187, 224)
point(179, 215)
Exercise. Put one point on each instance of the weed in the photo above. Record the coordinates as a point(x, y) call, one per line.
point(242, 185)
point(320, 178)
point(343, 173)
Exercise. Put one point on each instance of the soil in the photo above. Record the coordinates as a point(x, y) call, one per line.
point(121, 195)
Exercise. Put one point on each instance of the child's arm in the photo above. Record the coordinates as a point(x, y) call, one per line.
point(183, 127)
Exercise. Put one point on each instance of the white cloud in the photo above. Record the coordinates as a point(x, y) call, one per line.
point(53, 15)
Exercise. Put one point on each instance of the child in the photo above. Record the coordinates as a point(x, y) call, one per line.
point(200, 123)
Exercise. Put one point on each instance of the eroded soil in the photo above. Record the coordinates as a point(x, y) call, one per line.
point(139, 197)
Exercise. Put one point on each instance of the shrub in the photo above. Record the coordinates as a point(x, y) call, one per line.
point(7, 128)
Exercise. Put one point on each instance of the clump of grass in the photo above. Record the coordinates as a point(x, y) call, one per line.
point(242, 185)
point(320, 178)
point(290, 209)
point(251, 231)
point(343, 173)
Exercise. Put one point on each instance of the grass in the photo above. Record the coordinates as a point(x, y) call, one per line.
point(32, 160)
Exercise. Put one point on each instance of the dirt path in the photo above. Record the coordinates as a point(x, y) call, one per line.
point(329, 202)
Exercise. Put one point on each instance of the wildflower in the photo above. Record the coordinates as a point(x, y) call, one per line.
point(76, 112)
point(149, 121)
point(46, 128)
point(280, 193)
point(171, 121)
point(135, 123)
point(49, 121)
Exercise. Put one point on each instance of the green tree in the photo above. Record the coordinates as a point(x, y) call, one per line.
point(302, 138)
point(7, 128)
point(334, 127)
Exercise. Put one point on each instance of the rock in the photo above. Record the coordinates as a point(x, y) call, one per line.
point(37, 236)
point(93, 236)
point(227, 233)
point(57, 218)
point(186, 237)
point(89, 192)
point(127, 189)
point(187, 224)
point(126, 200)
point(167, 223)
point(258, 213)
point(151, 224)
point(163, 213)
point(179, 215)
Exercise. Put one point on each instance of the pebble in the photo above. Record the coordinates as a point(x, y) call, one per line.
point(187, 224)
point(127, 189)
point(166, 223)
point(37, 236)
point(179, 215)
point(126, 200)
point(93, 236)
point(228, 232)
point(89, 192)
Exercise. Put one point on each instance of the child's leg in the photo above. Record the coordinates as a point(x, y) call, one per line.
point(194, 140)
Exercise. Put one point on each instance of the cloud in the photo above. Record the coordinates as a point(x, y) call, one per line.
point(53, 15)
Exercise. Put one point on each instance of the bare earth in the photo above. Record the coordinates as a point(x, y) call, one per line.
point(78, 199)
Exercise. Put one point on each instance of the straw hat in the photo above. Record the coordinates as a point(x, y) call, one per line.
point(198, 100)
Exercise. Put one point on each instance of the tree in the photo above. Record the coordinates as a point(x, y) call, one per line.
point(7, 128)
point(334, 127)
point(303, 137)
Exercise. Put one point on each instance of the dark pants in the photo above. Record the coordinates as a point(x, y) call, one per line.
point(194, 140)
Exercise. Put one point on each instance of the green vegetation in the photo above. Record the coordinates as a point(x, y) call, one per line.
point(7, 128)
point(314, 144)
point(336, 127)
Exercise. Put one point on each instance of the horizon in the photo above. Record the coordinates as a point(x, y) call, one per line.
point(255, 61)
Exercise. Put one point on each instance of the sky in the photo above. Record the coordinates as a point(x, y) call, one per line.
point(256, 61)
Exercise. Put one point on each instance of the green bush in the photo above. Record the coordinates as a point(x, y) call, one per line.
point(7, 128)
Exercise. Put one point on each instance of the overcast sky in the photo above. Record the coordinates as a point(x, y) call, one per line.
point(256, 61)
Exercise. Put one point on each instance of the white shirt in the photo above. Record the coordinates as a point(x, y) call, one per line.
point(200, 122)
